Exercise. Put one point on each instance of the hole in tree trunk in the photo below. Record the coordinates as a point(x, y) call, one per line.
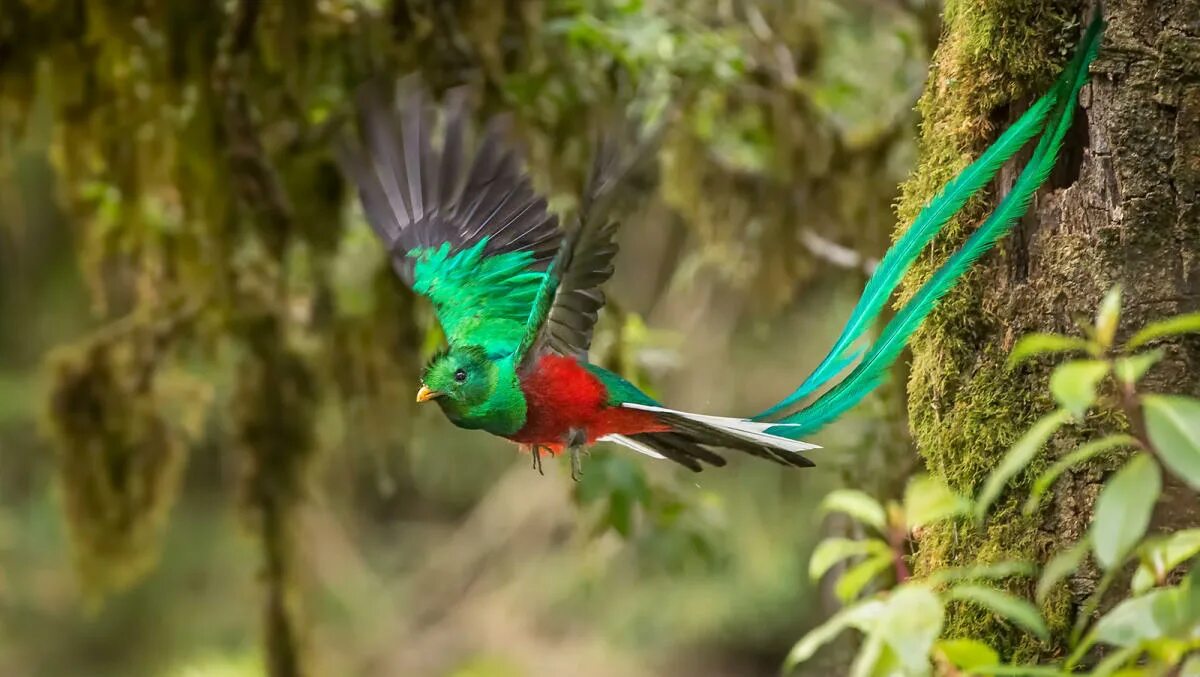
point(1066, 170)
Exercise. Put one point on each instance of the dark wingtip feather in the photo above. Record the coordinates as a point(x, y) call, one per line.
point(686, 446)
point(681, 449)
point(417, 193)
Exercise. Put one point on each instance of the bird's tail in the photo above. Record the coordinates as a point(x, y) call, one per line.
point(774, 434)
point(690, 438)
point(1051, 117)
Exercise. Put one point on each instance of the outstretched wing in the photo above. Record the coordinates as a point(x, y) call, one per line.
point(465, 229)
point(567, 305)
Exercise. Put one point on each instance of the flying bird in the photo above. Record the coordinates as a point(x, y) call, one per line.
point(518, 296)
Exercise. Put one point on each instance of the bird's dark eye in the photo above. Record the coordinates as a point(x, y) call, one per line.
point(460, 375)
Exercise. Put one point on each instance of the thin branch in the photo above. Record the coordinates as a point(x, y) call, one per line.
point(1131, 404)
point(831, 252)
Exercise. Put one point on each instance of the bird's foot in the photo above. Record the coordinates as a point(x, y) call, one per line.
point(535, 450)
point(576, 440)
point(576, 465)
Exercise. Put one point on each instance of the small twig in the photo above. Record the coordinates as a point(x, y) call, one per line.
point(168, 322)
point(832, 252)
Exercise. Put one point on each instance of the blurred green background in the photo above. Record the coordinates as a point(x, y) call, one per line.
point(209, 460)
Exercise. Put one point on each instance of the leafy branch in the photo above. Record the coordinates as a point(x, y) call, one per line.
point(1153, 630)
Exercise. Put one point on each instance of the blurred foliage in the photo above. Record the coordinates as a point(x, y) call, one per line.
point(242, 321)
point(123, 432)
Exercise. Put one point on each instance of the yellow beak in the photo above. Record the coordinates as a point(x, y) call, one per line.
point(426, 393)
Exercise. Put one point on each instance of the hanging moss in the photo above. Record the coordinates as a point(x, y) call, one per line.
point(119, 459)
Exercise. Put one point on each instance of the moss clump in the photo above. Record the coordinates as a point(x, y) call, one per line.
point(966, 408)
point(119, 459)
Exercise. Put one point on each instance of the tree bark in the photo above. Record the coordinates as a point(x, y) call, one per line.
point(1121, 207)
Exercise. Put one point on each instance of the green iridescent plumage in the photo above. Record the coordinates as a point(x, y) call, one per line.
point(900, 256)
point(487, 395)
point(1052, 116)
point(479, 300)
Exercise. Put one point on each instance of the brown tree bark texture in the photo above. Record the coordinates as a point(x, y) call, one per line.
point(1123, 206)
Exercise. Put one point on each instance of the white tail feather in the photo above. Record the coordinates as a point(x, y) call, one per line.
point(630, 443)
point(753, 431)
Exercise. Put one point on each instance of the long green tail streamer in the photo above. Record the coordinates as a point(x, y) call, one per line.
point(883, 353)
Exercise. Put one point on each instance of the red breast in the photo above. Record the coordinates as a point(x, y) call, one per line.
point(560, 394)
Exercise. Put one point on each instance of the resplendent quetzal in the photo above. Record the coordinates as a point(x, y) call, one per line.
point(518, 297)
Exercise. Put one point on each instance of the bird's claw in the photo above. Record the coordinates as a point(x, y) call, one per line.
point(576, 465)
point(575, 444)
point(536, 452)
point(575, 441)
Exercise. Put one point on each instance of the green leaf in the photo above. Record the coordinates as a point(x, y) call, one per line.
point(1059, 567)
point(1073, 384)
point(1123, 510)
point(1084, 453)
point(910, 624)
point(1191, 667)
point(1160, 557)
point(967, 654)
point(853, 581)
point(620, 514)
point(1131, 369)
point(1017, 458)
point(928, 500)
point(1182, 324)
point(1108, 315)
point(1162, 612)
point(993, 571)
point(856, 504)
point(1115, 661)
point(859, 616)
point(874, 659)
point(1173, 424)
point(1009, 606)
point(1179, 615)
point(612, 474)
point(833, 550)
point(1019, 671)
point(1041, 344)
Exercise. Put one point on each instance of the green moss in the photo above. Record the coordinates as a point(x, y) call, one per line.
point(119, 459)
point(966, 408)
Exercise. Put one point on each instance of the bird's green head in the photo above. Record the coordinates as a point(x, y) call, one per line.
point(475, 389)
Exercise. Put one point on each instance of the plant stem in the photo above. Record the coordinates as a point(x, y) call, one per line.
point(896, 539)
point(1132, 406)
point(1092, 603)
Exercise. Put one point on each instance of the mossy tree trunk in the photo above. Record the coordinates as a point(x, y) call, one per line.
point(1121, 207)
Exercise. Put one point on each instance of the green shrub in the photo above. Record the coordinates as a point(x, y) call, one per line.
point(1153, 628)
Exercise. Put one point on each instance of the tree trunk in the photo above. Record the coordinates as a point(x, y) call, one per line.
point(1121, 207)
